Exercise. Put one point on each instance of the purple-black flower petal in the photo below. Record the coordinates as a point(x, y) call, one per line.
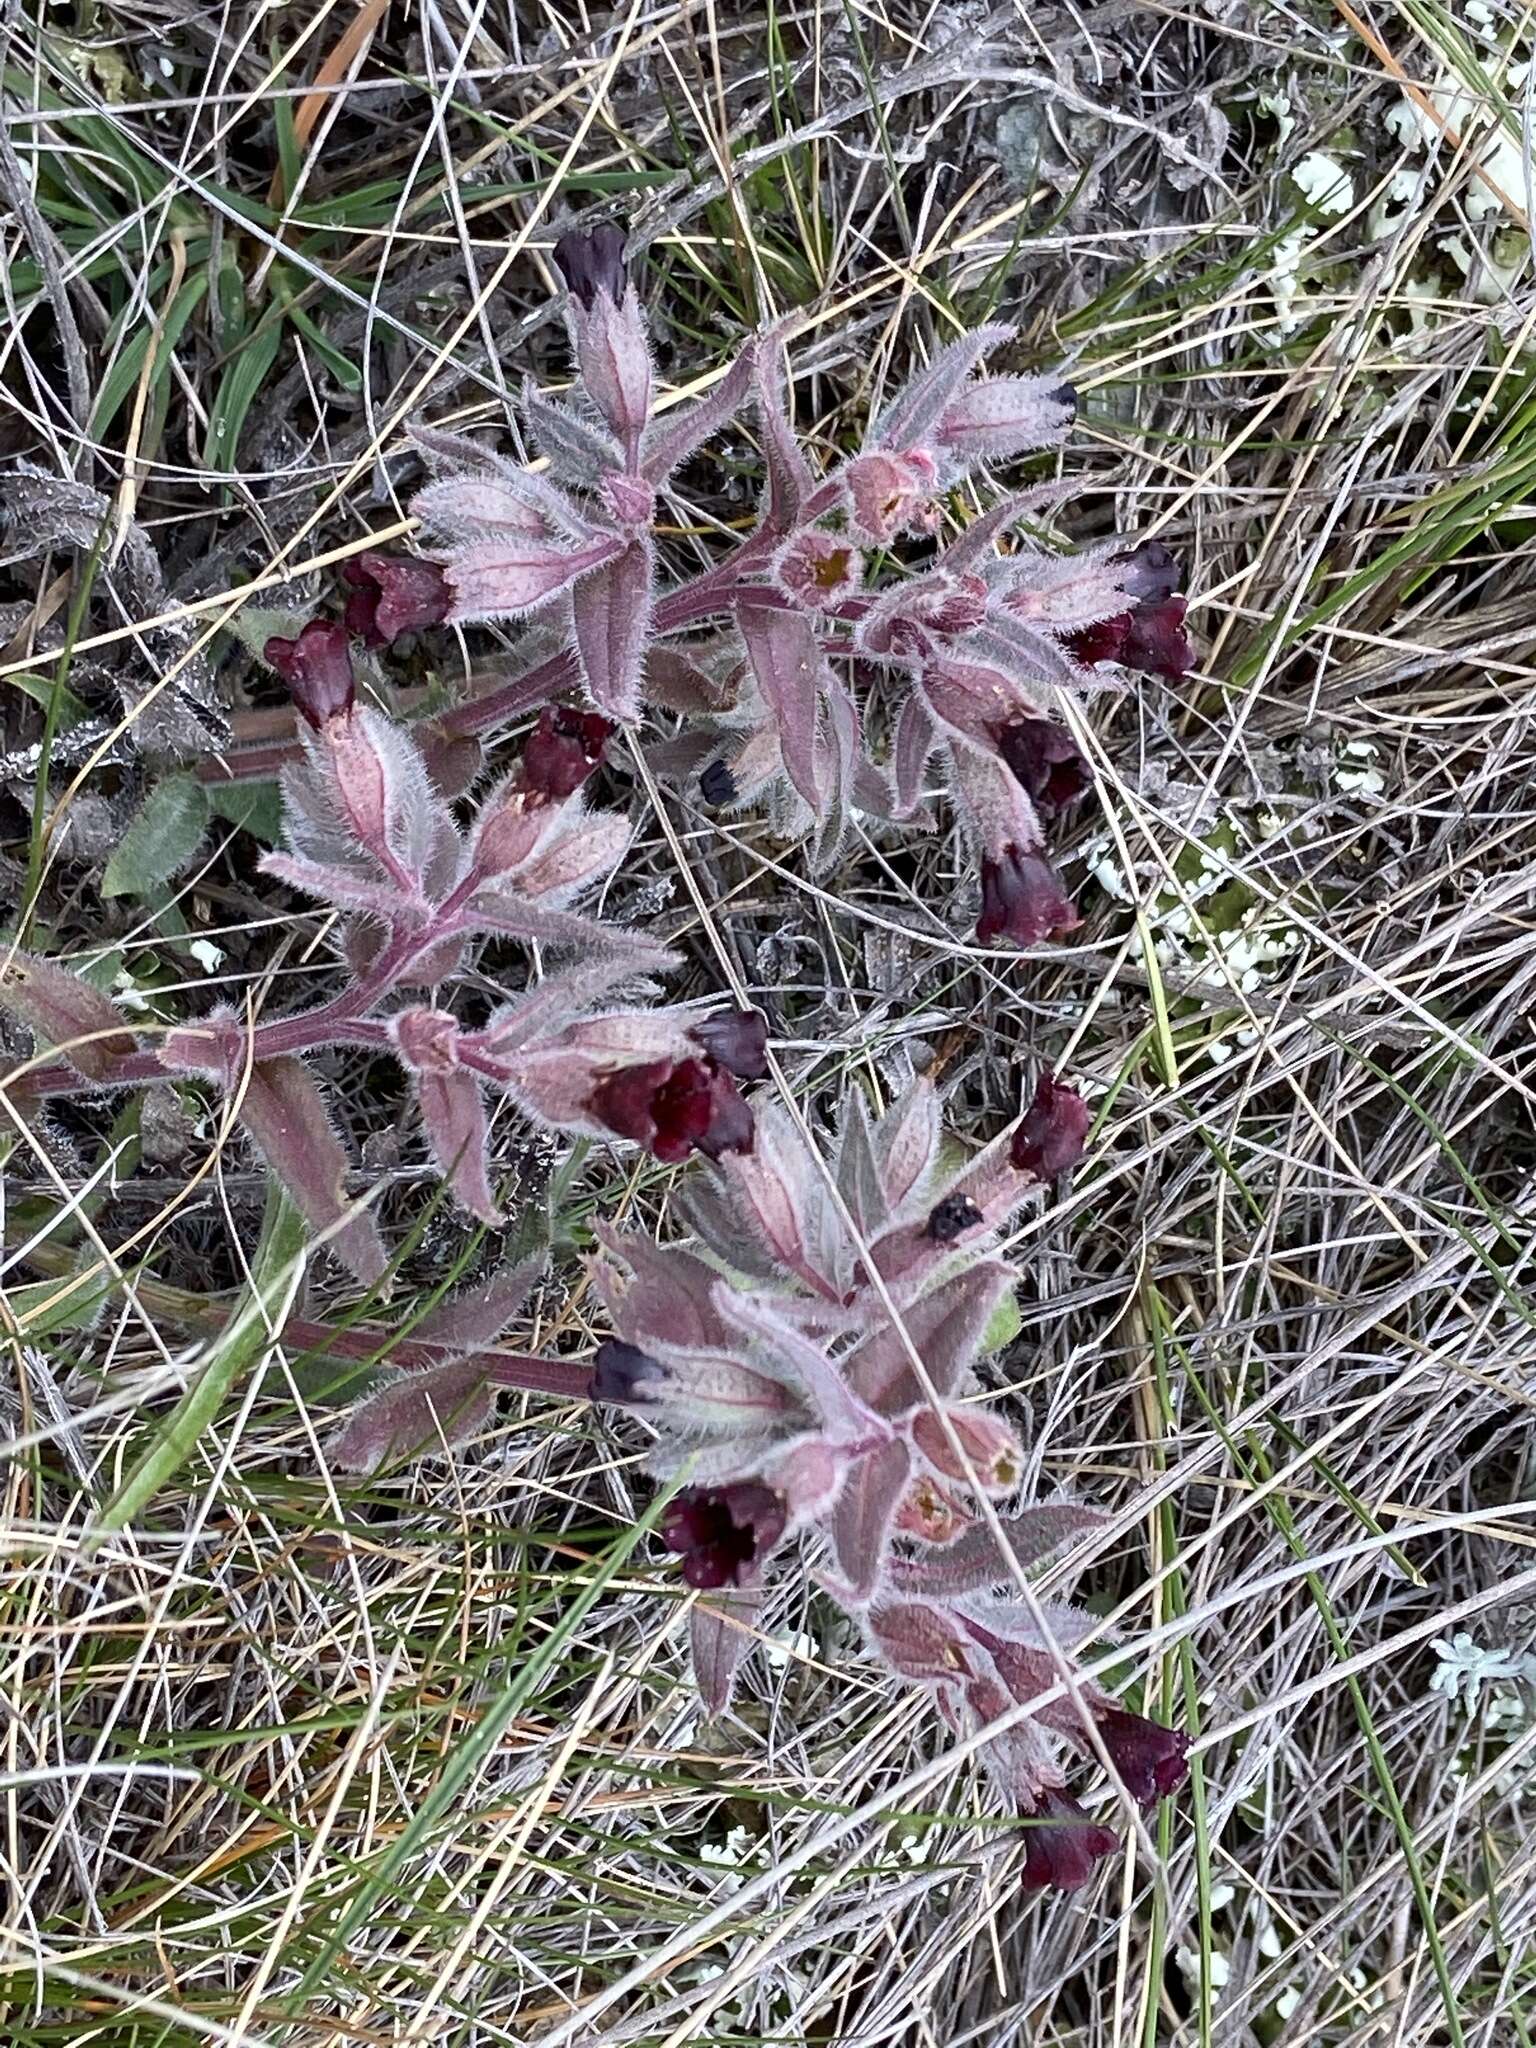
point(592, 263)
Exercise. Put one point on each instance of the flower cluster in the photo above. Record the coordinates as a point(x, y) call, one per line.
point(810, 1368)
point(842, 581)
point(368, 834)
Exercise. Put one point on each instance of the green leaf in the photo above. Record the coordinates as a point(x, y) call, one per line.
point(124, 374)
point(256, 807)
point(44, 1307)
point(277, 1272)
point(162, 838)
point(238, 387)
point(1006, 1321)
point(41, 689)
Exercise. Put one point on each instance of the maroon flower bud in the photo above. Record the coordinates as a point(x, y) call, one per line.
point(393, 594)
point(317, 667)
point(736, 1040)
point(723, 1533)
point(1151, 1759)
point(1045, 758)
point(1022, 899)
point(564, 748)
point(621, 1371)
point(1063, 1846)
point(671, 1106)
point(1051, 1134)
point(593, 264)
point(717, 785)
point(951, 1218)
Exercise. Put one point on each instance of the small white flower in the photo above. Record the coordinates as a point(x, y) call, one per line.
point(1190, 1963)
point(795, 1649)
point(1287, 2002)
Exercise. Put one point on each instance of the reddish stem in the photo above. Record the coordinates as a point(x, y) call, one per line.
point(560, 1377)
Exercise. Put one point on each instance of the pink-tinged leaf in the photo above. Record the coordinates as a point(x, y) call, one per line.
point(587, 846)
point(66, 1013)
point(415, 1414)
point(611, 618)
point(858, 1176)
point(510, 504)
point(1029, 651)
point(914, 743)
point(503, 579)
point(909, 420)
point(667, 1295)
point(993, 803)
point(452, 1111)
point(786, 662)
point(669, 443)
point(976, 544)
point(722, 1633)
point(1005, 416)
point(614, 358)
point(453, 1117)
point(287, 1122)
point(839, 752)
point(498, 910)
point(372, 775)
point(967, 1444)
point(976, 1560)
point(578, 452)
point(678, 683)
point(919, 1642)
point(333, 885)
point(766, 1183)
point(907, 1143)
point(471, 1320)
point(945, 1326)
point(790, 481)
point(1065, 592)
point(866, 1508)
point(973, 703)
point(843, 1415)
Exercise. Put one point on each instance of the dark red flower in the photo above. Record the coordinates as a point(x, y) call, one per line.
point(593, 263)
point(1156, 643)
point(736, 1040)
point(393, 594)
point(1046, 760)
point(671, 1106)
point(1051, 1134)
point(1151, 1759)
point(1063, 1846)
point(723, 1532)
point(564, 748)
point(317, 667)
point(1022, 898)
point(1150, 637)
point(1104, 641)
point(619, 1371)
